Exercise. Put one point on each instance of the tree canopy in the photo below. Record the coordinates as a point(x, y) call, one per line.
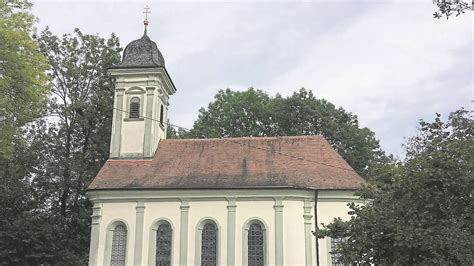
point(45, 215)
point(22, 77)
point(255, 113)
point(424, 213)
point(23, 92)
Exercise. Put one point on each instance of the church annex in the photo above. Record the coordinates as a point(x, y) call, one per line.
point(227, 201)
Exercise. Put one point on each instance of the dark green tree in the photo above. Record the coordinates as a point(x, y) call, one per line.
point(29, 234)
point(68, 148)
point(255, 113)
point(81, 103)
point(23, 92)
point(234, 114)
point(424, 214)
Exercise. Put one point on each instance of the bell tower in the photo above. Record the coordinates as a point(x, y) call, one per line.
point(141, 100)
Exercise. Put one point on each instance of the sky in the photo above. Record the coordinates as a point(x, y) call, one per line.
point(389, 62)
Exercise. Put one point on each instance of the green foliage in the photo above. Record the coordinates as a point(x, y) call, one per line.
point(77, 142)
point(45, 216)
point(22, 78)
point(234, 114)
point(22, 97)
point(424, 213)
point(254, 113)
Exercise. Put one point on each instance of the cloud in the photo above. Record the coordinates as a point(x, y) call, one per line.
point(389, 67)
point(390, 63)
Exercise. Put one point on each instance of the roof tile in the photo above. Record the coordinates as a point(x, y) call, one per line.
point(296, 162)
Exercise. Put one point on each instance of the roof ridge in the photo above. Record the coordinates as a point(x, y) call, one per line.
point(249, 138)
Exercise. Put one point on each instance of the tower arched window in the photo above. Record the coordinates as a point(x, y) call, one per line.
point(209, 244)
point(134, 111)
point(256, 244)
point(119, 245)
point(163, 244)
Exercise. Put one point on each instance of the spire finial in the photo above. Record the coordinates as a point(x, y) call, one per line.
point(146, 12)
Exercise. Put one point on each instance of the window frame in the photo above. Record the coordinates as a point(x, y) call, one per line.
point(131, 93)
point(109, 238)
point(245, 234)
point(130, 102)
point(329, 250)
point(152, 240)
point(198, 239)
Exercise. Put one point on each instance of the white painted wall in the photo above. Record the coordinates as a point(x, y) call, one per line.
point(263, 210)
point(111, 212)
point(293, 232)
point(155, 211)
point(153, 87)
point(216, 211)
point(203, 204)
point(133, 133)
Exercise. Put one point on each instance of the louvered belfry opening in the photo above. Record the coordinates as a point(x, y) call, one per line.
point(163, 245)
point(134, 108)
point(256, 245)
point(119, 245)
point(209, 245)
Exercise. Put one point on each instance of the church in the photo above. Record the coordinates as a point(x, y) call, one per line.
point(223, 201)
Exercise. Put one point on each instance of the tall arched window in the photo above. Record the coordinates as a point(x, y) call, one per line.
point(209, 244)
point(134, 111)
point(163, 244)
point(256, 244)
point(119, 245)
point(333, 253)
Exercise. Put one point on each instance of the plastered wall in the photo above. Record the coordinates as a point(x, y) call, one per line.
point(139, 137)
point(216, 209)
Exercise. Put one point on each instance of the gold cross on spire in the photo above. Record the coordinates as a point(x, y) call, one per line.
point(146, 12)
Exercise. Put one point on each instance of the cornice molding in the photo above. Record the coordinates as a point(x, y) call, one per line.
point(134, 75)
point(96, 196)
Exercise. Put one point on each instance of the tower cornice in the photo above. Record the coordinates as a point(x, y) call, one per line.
point(126, 76)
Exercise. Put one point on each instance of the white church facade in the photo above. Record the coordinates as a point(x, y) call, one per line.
point(227, 201)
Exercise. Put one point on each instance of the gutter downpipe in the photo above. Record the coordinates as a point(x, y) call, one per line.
point(316, 224)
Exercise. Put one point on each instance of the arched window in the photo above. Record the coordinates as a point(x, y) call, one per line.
point(134, 111)
point(163, 244)
point(161, 115)
point(209, 244)
point(256, 245)
point(333, 253)
point(119, 245)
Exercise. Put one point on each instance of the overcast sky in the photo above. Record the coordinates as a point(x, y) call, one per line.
point(389, 62)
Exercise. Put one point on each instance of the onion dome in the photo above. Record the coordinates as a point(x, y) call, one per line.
point(142, 53)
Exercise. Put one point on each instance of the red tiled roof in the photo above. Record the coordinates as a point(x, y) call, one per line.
point(292, 162)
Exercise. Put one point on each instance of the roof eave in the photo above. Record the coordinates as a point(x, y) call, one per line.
point(226, 188)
